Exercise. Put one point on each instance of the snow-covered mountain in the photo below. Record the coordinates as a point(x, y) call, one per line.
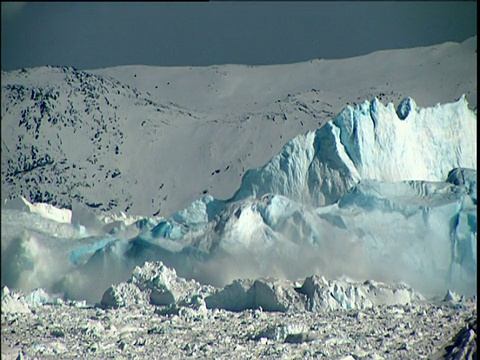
point(150, 140)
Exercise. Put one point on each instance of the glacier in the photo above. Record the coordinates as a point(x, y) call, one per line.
point(378, 193)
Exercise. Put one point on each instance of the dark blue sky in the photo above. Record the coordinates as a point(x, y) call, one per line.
point(91, 35)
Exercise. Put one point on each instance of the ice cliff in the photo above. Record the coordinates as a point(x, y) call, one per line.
point(369, 141)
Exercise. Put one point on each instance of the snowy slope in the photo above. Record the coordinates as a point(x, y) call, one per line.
point(439, 73)
point(149, 140)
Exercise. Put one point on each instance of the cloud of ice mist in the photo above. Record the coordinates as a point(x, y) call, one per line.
point(336, 258)
point(292, 261)
point(377, 245)
point(33, 260)
point(34, 249)
point(30, 261)
point(36, 253)
point(90, 280)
